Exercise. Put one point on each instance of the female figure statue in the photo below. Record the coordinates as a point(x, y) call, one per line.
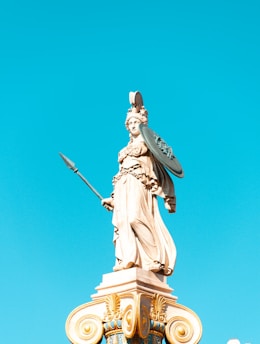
point(140, 236)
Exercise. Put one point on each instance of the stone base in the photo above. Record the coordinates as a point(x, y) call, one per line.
point(134, 280)
point(133, 306)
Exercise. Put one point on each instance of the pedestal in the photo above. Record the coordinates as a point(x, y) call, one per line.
point(133, 306)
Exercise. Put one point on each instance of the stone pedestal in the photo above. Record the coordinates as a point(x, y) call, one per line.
point(133, 306)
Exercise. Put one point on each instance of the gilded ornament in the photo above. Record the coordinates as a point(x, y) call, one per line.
point(158, 307)
point(88, 330)
point(179, 330)
point(113, 308)
point(129, 321)
point(143, 322)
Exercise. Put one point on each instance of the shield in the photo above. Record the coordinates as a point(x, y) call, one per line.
point(161, 151)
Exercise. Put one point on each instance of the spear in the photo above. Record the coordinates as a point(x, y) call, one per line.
point(71, 165)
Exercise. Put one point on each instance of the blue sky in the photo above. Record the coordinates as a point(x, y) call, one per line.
point(65, 73)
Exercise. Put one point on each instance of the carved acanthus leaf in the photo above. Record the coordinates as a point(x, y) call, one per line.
point(113, 308)
point(158, 307)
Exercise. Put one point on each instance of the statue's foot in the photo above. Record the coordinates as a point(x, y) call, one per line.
point(155, 267)
point(167, 272)
point(129, 265)
point(118, 268)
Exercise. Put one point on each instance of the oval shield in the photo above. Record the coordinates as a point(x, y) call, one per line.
point(161, 151)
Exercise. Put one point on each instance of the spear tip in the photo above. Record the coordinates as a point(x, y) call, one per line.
point(70, 164)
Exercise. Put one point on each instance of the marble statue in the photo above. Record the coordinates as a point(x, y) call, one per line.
point(134, 303)
point(140, 236)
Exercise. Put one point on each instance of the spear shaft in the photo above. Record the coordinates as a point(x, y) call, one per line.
point(71, 165)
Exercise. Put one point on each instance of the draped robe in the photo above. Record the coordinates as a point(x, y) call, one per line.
point(140, 235)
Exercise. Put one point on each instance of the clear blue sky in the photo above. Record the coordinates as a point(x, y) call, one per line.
point(65, 72)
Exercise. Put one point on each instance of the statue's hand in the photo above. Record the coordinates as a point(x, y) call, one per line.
point(108, 203)
point(170, 204)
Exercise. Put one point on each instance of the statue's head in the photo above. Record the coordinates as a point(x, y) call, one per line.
point(137, 110)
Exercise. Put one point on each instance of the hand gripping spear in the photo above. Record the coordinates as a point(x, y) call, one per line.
point(71, 165)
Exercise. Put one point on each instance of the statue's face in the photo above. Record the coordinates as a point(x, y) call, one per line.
point(133, 126)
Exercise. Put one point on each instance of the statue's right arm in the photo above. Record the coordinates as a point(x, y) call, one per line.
point(108, 203)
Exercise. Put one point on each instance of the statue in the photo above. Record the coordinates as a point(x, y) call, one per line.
point(136, 306)
point(141, 238)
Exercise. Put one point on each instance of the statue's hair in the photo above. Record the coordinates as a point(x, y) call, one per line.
point(142, 115)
